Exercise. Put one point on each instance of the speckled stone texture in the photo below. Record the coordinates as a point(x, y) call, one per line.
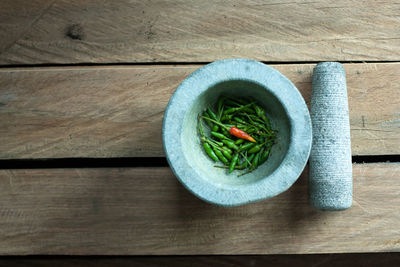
point(237, 78)
point(331, 182)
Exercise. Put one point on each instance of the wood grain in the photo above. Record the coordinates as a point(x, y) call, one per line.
point(197, 31)
point(305, 260)
point(137, 211)
point(117, 111)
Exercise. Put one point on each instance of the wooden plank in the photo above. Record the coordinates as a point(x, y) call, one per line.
point(117, 111)
point(305, 260)
point(137, 211)
point(197, 31)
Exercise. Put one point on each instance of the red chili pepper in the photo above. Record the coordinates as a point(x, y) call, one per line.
point(241, 134)
point(233, 130)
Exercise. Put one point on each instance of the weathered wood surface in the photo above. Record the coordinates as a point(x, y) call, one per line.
point(304, 260)
point(117, 111)
point(130, 211)
point(95, 31)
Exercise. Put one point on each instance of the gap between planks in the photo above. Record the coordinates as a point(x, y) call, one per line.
point(305, 260)
point(125, 162)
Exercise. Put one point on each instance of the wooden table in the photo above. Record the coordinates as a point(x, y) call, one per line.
point(83, 88)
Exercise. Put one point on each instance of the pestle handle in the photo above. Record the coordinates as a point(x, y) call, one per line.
point(330, 182)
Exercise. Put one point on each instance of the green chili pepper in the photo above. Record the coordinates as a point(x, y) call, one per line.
point(227, 154)
point(230, 144)
point(218, 135)
point(216, 142)
point(265, 154)
point(233, 162)
point(215, 128)
point(254, 149)
point(210, 152)
point(239, 141)
point(211, 114)
point(261, 152)
point(220, 156)
point(248, 110)
point(233, 110)
point(228, 150)
point(239, 120)
point(246, 146)
point(254, 162)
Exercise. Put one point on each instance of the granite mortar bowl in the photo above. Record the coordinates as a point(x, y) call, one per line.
point(284, 106)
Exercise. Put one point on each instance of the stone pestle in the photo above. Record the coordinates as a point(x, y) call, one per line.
point(330, 181)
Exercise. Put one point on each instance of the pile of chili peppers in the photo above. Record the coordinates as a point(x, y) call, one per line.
point(240, 134)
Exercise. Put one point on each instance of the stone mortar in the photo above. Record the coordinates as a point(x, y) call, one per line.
point(284, 106)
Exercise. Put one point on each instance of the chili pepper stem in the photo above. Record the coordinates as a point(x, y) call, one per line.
point(204, 139)
point(216, 122)
point(200, 127)
point(249, 171)
point(245, 158)
point(227, 167)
